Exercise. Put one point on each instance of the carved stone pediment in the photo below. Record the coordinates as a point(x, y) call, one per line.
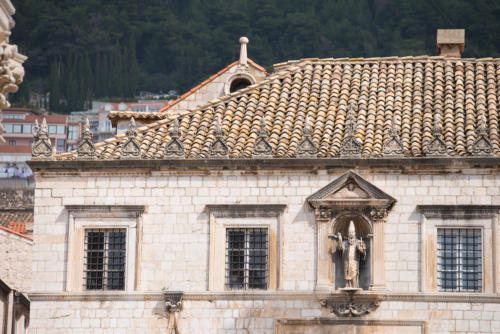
point(349, 191)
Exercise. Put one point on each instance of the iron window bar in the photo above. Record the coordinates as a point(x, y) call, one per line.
point(105, 257)
point(246, 258)
point(459, 259)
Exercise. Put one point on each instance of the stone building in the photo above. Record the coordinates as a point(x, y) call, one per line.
point(237, 75)
point(228, 218)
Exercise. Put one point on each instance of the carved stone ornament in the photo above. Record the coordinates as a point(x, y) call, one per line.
point(173, 305)
point(262, 147)
point(393, 145)
point(353, 309)
point(306, 145)
point(349, 303)
point(437, 146)
point(131, 149)
point(350, 146)
point(86, 148)
point(11, 69)
point(174, 148)
point(41, 149)
point(482, 145)
point(378, 213)
point(219, 149)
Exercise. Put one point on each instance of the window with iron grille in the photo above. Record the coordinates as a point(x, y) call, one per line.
point(105, 251)
point(246, 258)
point(459, 259)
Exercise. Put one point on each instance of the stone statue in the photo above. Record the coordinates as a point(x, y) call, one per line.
point(353, 250)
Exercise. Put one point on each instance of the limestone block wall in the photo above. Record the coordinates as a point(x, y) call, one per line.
point(174, 250)
point(175, 240)
point(15, 260)
point(251, 316)
point(214, 89)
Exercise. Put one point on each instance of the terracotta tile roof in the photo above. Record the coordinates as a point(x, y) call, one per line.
point(194, 89)
point(116, 115)
point(19, 227)
point(6, 218)
point(15, 232)
point(408, 90)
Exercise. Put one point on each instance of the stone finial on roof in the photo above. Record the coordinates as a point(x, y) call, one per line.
point(41, 149)
point(306, 145)
point(243, 51)
point(393, 145)
point(131, 149)
point(262, 147)
point(482, 145)
point(350, 146)
point(436, 146)
point(86, 148)
point(174, 148)
point(218, 149)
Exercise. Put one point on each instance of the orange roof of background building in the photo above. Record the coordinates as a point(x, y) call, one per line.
point(195, 88)
point(15, 232)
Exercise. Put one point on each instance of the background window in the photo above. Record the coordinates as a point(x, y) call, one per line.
point(105, 251)
point(17, 128)
point(73, 132)
point(12, 142)
point(60, 145)
point(459, 259)
point(61, 129)
point(52, 129)
point(246, 258)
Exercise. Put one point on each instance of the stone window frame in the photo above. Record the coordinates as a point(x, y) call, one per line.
point(483, 217)
point(82, 217)
point(222, 217)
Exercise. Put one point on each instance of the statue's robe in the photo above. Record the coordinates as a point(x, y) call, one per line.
point(351, 256)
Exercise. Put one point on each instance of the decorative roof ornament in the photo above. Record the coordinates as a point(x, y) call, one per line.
point(41, 149)
point(393, 145)
point(437, 146)
point(86, 148)
point(218, 149)
point(243, 62)
point(482, 145)
point(174, 148)
point(306, 145)
point(350, 146)
point(131, 149)
point(262, 147)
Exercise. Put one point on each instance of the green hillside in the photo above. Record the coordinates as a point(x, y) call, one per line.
point(112, 48)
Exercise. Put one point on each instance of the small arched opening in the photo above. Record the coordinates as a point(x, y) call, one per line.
point(239, 83)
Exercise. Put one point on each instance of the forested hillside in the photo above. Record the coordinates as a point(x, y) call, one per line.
point(100, 48)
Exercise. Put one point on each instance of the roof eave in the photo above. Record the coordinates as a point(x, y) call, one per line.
point(393, 163)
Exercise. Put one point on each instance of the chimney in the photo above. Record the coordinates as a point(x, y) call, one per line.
point(450, 42)
point(243, 51)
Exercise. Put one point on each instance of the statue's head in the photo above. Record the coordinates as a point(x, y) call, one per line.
point(351, 232)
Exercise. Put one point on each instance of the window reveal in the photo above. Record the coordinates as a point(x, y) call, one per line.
point(246, 258)
point(459, 259)
point(105, 259)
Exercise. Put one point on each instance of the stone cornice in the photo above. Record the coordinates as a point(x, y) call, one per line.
point(105, 210)
point(405, 164)
point(246, 210)
point(268, 295)
point(459, 211)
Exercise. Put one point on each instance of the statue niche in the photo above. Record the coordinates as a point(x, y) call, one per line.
point(350, 239)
